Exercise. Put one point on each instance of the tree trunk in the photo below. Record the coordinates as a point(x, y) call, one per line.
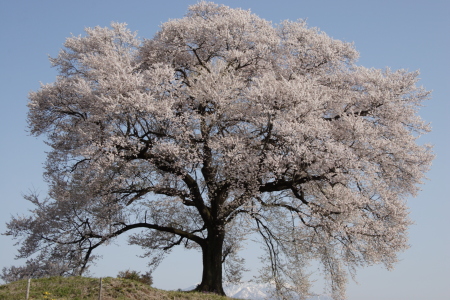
point(212, 264)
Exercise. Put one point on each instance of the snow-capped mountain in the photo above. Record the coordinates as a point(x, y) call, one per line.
point(255, 291)
point(247, 290)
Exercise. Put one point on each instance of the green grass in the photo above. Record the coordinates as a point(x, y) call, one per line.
point(65, 288)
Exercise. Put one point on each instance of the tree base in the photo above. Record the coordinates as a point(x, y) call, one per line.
point(212, 289)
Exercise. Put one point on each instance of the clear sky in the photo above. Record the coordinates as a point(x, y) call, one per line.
point(408, 34)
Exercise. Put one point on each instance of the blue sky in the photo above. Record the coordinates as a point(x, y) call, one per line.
point(406, 34)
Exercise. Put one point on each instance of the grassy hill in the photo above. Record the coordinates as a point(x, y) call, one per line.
point(65, 288)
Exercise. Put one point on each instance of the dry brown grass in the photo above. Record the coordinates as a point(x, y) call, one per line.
point(73, 288)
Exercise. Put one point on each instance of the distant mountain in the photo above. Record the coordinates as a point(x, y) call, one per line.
point(247, 290)
point(255, 291)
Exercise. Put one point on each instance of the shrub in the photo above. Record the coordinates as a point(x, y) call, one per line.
point(145, 278)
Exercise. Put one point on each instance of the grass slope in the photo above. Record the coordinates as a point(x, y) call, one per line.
point(65, 288)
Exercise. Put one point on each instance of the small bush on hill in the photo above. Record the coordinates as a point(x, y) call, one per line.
point(145, 278)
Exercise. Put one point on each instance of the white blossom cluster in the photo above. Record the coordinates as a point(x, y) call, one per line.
point(221, 125)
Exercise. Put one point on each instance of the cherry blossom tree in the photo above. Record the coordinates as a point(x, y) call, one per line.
point(221, 126)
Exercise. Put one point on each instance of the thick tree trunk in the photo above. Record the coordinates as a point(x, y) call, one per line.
point(212, 264)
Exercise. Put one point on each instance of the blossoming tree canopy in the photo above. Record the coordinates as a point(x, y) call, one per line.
point(221, 126)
